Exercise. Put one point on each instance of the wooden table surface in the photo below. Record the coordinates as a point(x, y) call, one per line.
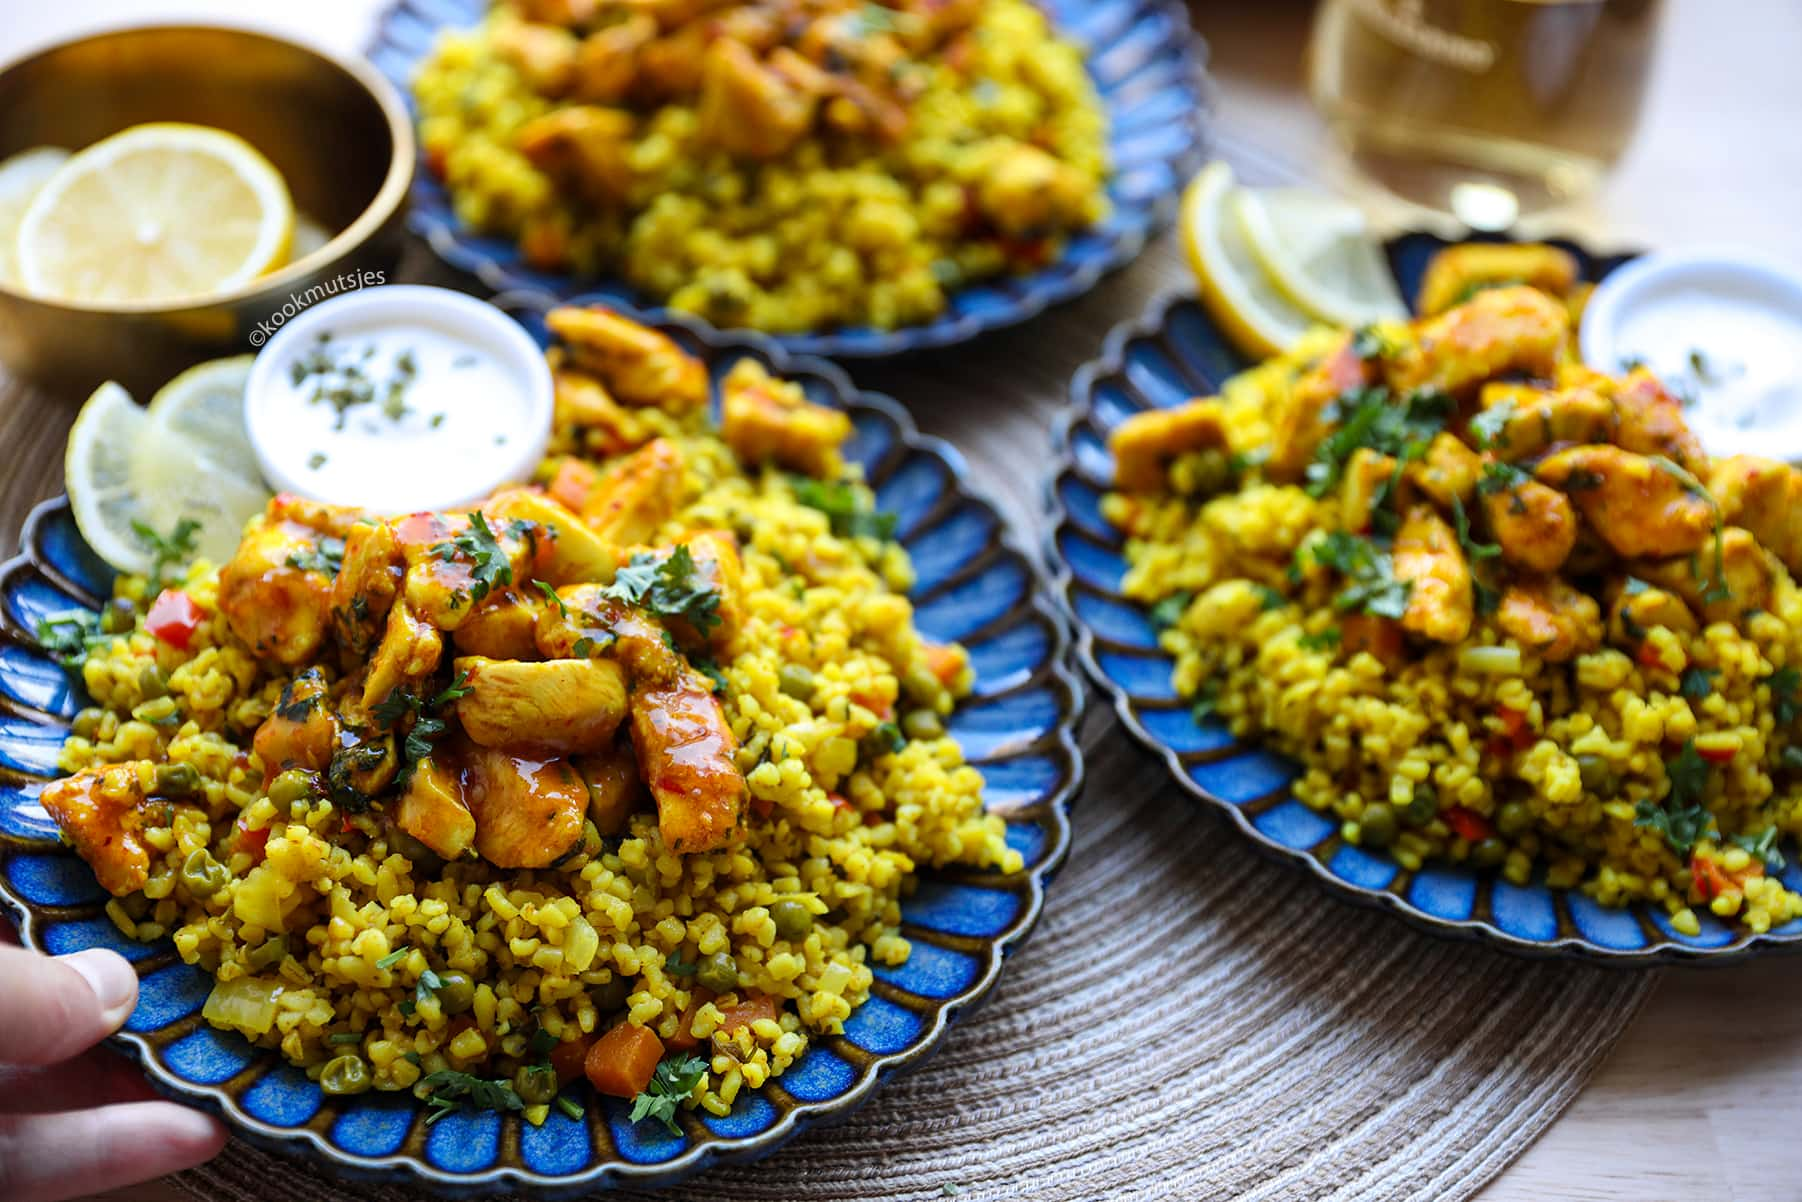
point(1703, 1096)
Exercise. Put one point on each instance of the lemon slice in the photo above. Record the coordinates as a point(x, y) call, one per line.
point(205, 407)
point(22, 177)
point(1259, 319)
point(124, 473)
point(156, 213)
point(1317, 250)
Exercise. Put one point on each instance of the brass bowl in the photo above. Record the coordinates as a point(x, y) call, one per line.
point(338, 132)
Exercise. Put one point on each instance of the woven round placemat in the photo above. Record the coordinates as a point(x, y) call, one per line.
point(1190, 1021)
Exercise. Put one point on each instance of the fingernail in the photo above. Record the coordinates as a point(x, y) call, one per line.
point(111, 979)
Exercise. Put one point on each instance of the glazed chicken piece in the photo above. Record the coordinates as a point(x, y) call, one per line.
point(1026, 192)
point(669, 67)
point(410, 650)
point(1650, 422)
point(1449, 471)
point(614, 788)
point(570, 14)
point(528, 812)
point(639, 365)
point(454, 560)
point(586, 148)
point(591, 624)
point(1497, 331)
point(100, 812)
point(1426, 554)
point(636, 495)
point(303, 730)
point(766, 419)
point(278, 608)
point(1299, 422)
point(1533, 523)
point(431, 809)
point(1640, 507)
point(554, 707)
point(609, 427)
point(1536, 418)
point(1717, 586)
point(1145, 444)
point(1764, 497)
point(606, 66)
point(1550, 618)
point(1638, 607)
point(1367, 474)
point(569, 550)
point(544, 55)
point(333, 521)
point(1456, 273)
point(685, 750)
point(502, 625)
point(750, 109)
point(367, 583)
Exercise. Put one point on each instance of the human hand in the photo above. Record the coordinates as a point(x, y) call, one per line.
point(77, 1119)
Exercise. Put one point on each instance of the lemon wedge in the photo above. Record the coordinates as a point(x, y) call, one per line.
point(204, 406)
point(156, 213)
point(1318, 252)
point(126, 475)
point(22, 177)
point(1256, 315)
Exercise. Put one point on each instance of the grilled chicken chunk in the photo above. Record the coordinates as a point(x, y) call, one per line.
point(100, 811)
point(764, 419)
point(1426, 555)
point(1144, 444)
point(639, 365)
point(1639, 506)
point(556, 707)
point(1497, 331)
point(685, 751)
point(528, 812)
point(431, 809)
point(1551, 618)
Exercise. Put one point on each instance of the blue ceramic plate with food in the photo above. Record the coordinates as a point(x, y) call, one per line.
point(1392, 605)
point(432, 925)
point(859, 179)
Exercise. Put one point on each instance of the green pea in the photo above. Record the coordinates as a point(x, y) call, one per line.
point(922, 724)
point(177, 780)
point(152, 682)
point(1513, 818)
point(611, 996)
point(118, 617)
point(718, 972)
point(346, 1074)
point(1488, 853)
point(1377, 828)
point(1423, 809)
point(456, 991)
point(87, 722)
point(1213, 472)
point(919, 683)
point(203, 875)
point(1599, 776)
point(267, 954)
point(536, 1084)
point(292, 786)
point(795, 681)
point(792, 918)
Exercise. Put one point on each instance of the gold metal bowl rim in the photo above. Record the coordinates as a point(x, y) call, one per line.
point(387, 201)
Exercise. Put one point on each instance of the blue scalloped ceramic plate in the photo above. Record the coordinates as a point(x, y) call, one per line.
point(975, 585)
point(1170, 354)
point(1146, 63)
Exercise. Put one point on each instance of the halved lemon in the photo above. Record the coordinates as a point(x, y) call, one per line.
point(204, 406)
point(22, 177)
point(1318, 252)
point(125, 475)
point(1259, 319)
point(156, 213)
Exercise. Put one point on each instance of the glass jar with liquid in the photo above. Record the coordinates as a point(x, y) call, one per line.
point(1485, 108)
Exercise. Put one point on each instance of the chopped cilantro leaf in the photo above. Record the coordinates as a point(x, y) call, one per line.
point(1370, 418)
point(1170, 610)
point(447, 1089)
point(1682, 819)
point(392, 958)
point(709, 668)
point(675, 1078)
point(550, 594)
point(1697, 683)
point(1500, 477)
point(676, 966)
point(1785, 703)
point(327, 556)
point(844, 508)
point(1371, 586)
point(68, 636)
point(1762, 846)
point(1269, 598)
point(668, 587)
point(1320, 642)
point(172, 550)
point(1206, 697)
point(477, 545)
point(1487, 426)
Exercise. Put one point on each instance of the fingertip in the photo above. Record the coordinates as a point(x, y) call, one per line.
point(111, 977)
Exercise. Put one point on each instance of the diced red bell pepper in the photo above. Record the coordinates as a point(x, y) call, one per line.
point(1648, 656)
point(1717, 755)
point(1469, 825)
point(1709, 880)
point(173, 618)
point(254, 844)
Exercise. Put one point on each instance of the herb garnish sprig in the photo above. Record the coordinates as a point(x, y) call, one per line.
point(667, 586)
point(675, 1078)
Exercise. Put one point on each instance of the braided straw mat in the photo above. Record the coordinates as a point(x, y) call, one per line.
point(1188, 1021)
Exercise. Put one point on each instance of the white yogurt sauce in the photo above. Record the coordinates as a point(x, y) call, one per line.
point(1724, 334)
point(399, 399)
